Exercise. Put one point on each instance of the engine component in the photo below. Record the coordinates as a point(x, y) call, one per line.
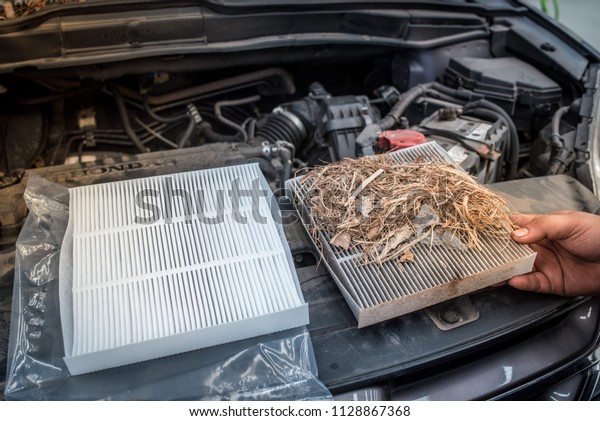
point(486, 109)
point(344, 119)
point(519, 88)
point(125, 121)
point(282, 125)
point(546, 157)
point(87, 124)
point(472, 143)
point(367, 138)
point(87, 120)
point(564, 150)
point(331, 122)
point(391, 140)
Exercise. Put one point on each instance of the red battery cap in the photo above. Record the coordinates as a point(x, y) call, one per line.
point(392, 140)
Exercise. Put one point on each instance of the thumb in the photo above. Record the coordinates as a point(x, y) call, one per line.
point(549, 226)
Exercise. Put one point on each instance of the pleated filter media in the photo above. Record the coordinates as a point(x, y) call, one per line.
point(162, 265)
point(376, 292)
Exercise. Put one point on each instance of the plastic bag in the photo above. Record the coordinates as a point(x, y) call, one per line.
point(279, 366)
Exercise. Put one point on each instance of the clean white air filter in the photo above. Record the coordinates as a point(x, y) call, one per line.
point(380, 292)
point(157, 266)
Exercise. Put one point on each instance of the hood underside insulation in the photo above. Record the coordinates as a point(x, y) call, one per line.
point(162, 265)
point(378, 292)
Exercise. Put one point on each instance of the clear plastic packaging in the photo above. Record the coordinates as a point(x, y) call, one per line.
point(278, 366)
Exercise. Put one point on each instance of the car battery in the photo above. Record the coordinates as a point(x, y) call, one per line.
point(474, 144)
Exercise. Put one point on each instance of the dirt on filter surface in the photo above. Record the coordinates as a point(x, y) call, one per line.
point(13, 10)
point(384, 208)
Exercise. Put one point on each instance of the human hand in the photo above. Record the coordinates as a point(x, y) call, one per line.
point(568, 252)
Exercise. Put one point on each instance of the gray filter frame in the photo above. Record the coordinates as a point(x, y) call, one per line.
point(378, 292)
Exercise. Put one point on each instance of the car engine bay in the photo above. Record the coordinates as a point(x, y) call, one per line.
point(505, 102)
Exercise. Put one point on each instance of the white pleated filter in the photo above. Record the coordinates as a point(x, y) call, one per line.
point(204, 263)
point(377, 292)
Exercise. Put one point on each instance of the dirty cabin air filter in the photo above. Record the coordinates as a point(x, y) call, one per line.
point(378, 292)
point(157, 266)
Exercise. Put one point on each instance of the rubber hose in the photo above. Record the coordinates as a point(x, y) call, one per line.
point(234, 103)
point(467, 96)
point(557, 141)
point(401, 105)
point(160, 118)
point(265, 167)
point(213, 136)
point(445, 97)
point(286, 160)
point(187, 133)
point(125, 121)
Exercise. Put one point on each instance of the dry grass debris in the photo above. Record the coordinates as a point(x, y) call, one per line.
point(12, 10)
point(385, 208)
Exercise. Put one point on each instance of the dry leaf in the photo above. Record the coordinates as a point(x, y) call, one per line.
point(400, 236)
point(341, 239)
point(373, 232)
point(408, 256)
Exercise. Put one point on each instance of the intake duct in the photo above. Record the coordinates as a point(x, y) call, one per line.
point(332, 122)
point(282, 125)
